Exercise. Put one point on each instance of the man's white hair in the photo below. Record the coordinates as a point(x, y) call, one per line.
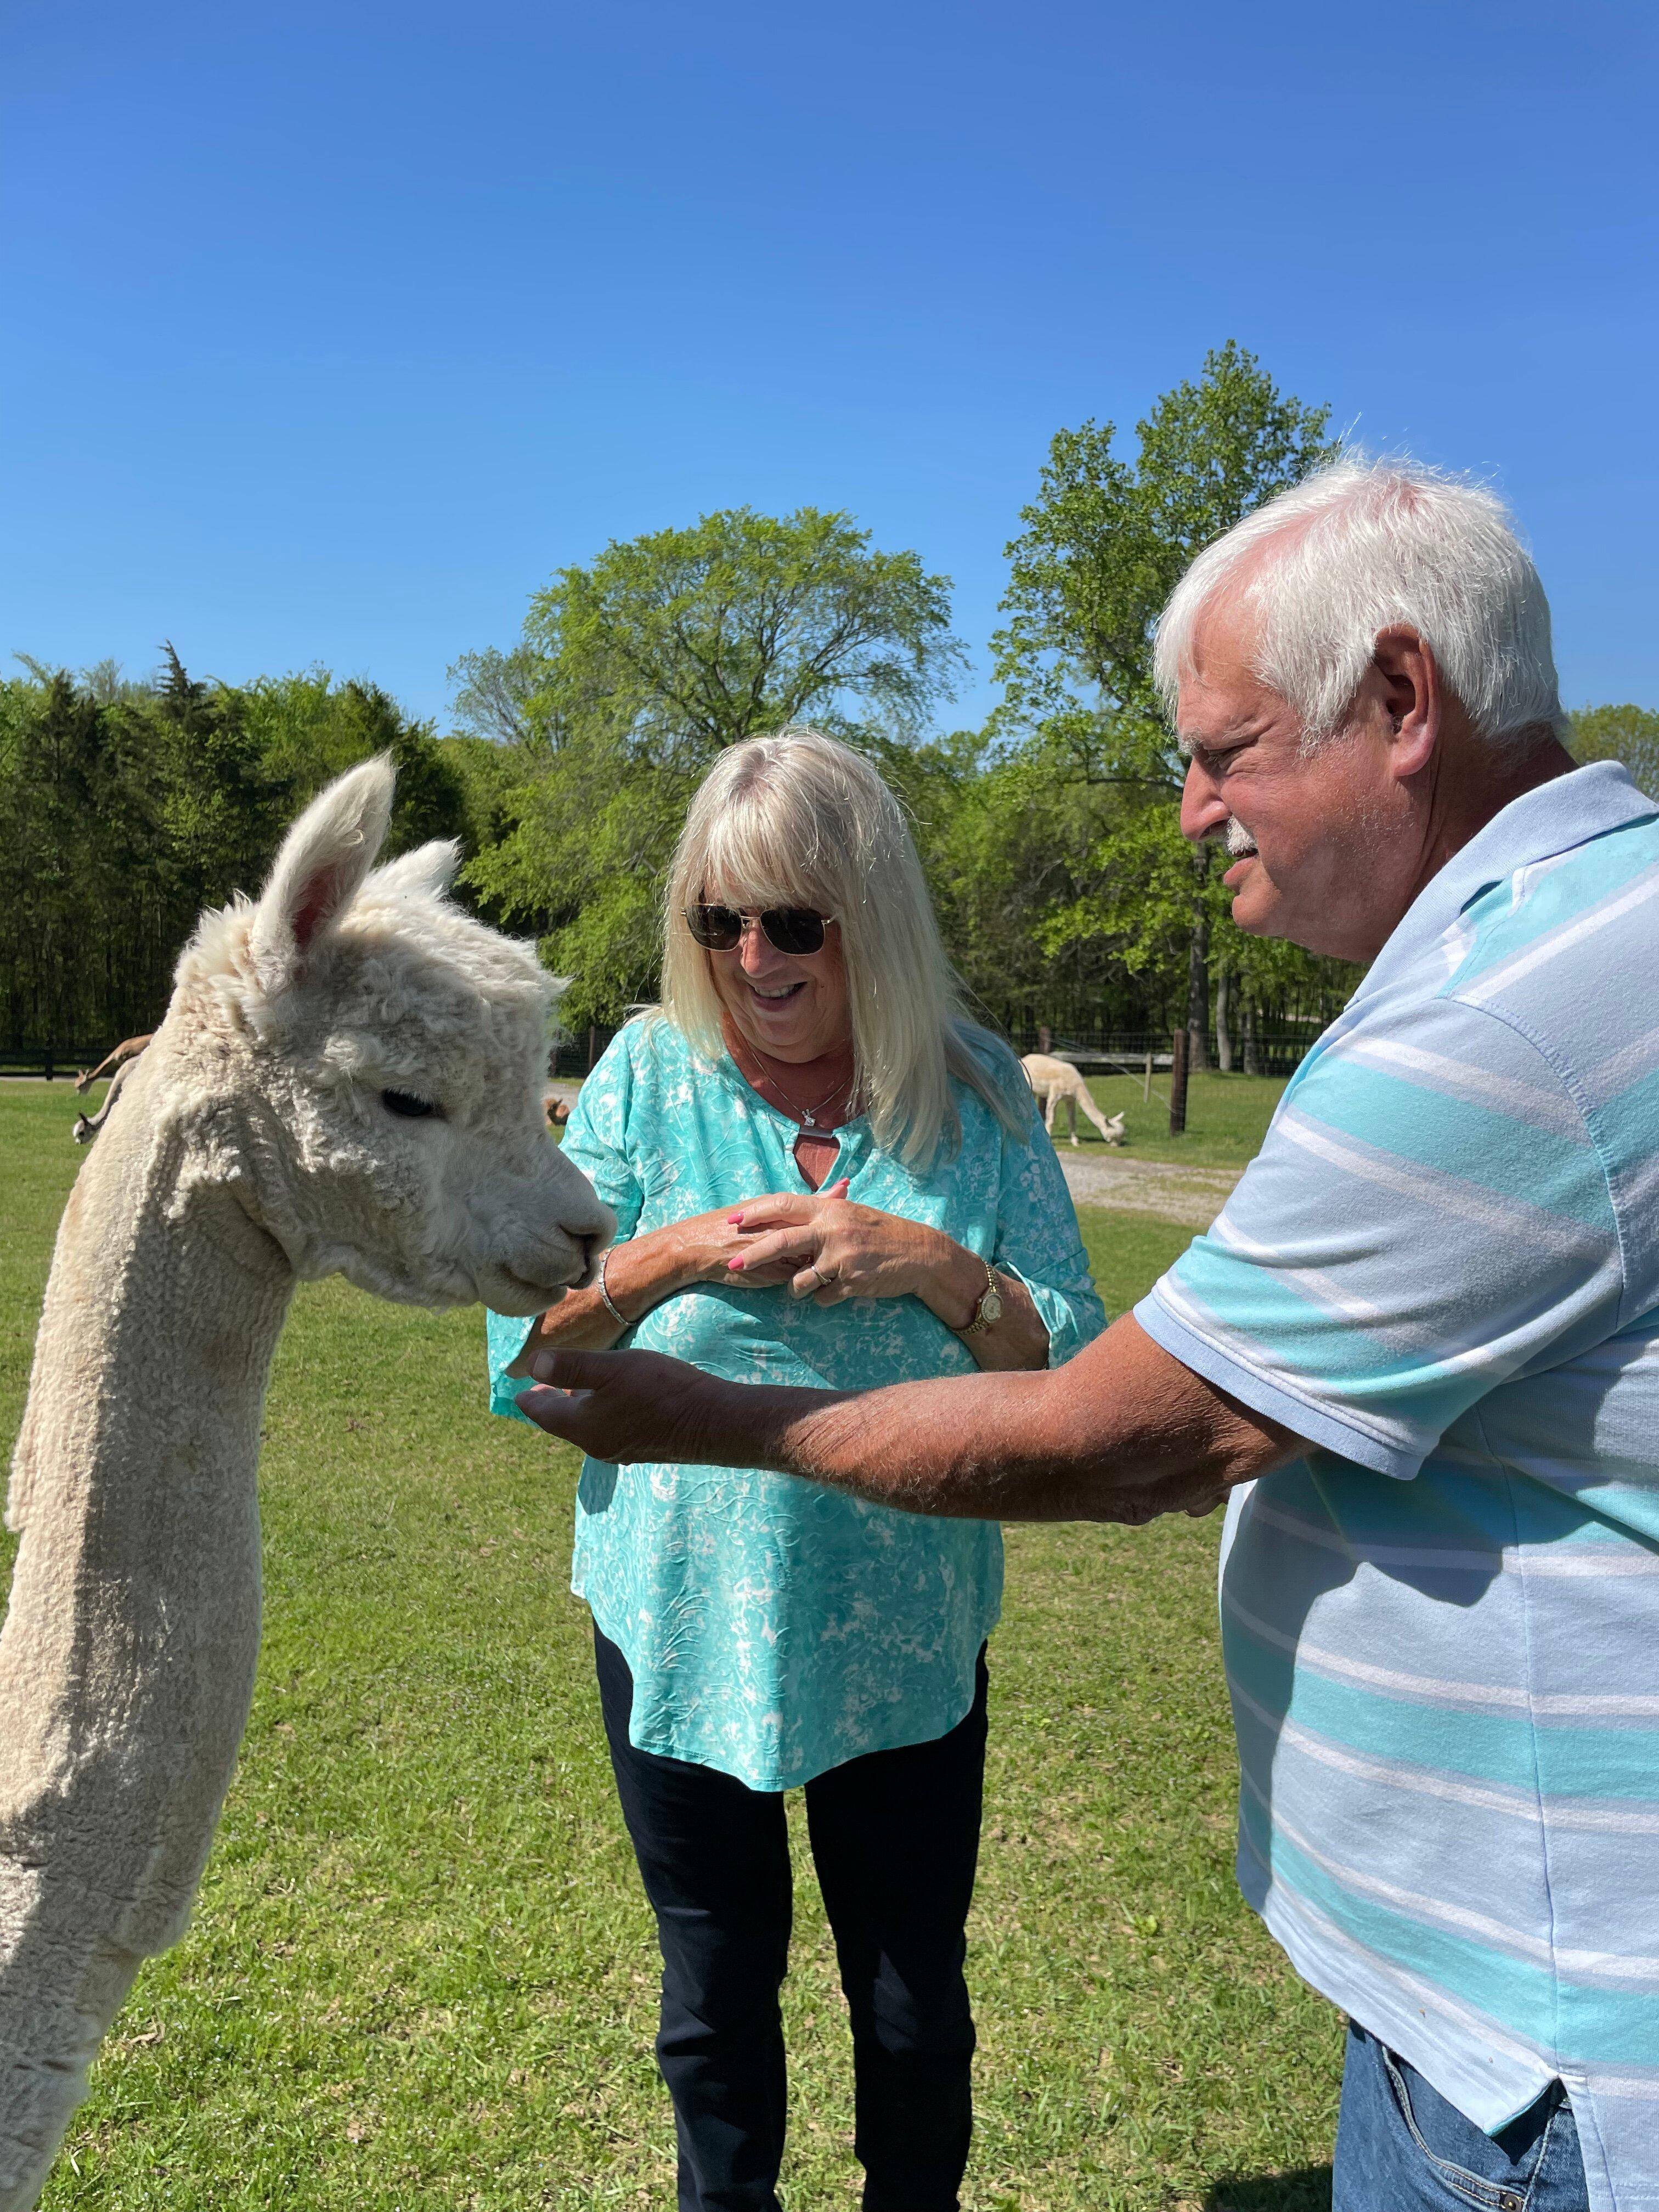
point(799, 819)
point(1359, 546)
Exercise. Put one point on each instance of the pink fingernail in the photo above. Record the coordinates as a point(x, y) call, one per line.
point(732, 1219)
point(734, 1263)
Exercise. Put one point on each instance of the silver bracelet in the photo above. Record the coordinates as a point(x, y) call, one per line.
point(605, 1298)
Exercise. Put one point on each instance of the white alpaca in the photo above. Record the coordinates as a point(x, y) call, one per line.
point(347, 1079)
point(1056, 1082)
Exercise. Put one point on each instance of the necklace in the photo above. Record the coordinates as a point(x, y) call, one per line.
point(808, 1114)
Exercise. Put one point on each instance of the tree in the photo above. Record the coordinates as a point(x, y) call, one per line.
point(634, 672)
point(1105, 543)
point(88, 895)
point(1630, 734)
point(307, 730)
point(222, 809)
point(127, 807)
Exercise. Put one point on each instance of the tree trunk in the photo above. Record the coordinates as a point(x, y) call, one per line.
point(1252, 1059)
point(1178, 1083)
point(1198, 993)
point(1224, 1040)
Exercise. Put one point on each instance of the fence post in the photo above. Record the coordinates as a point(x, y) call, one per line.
point(1178, 1083)
point(592, 1045)
point(1147, 1087)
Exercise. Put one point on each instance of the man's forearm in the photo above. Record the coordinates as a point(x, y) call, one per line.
point(1121, 1433)
point(914, 1445)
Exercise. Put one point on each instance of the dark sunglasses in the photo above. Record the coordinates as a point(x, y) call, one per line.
point(794, 929)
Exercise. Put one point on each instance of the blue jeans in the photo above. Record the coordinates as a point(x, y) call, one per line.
point(1401, 2147)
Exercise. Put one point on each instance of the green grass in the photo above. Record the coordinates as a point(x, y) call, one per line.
point(1227, 1118)
point(421, 1974)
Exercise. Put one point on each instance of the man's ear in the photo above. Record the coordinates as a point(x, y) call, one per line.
point(1414, 695)
point(319, 870)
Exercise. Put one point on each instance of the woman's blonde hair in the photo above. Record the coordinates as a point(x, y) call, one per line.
point(800, 820)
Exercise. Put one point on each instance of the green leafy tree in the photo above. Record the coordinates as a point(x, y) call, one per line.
point(127, 807)
point(88, 895)
point(308, 729)
point(1626, 734)
point(1005, 846)
point(634, 673)
point(220, 808)
point(1105, 543)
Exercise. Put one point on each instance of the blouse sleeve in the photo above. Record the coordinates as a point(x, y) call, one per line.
point(596, 1141)
point(1037, 1240)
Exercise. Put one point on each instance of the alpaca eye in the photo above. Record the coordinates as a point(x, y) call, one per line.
point(407, 1106)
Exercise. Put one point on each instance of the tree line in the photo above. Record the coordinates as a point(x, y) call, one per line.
point(1050, 834)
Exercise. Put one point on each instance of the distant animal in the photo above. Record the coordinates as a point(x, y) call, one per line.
point(1056, 1083)
point(87, 1125)
point(129, 1048)
point(348, 1081)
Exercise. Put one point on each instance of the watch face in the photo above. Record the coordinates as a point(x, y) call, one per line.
point(990, 1307)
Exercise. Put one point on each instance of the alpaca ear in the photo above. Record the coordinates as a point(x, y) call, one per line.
point(428, 871)
point(324, 862)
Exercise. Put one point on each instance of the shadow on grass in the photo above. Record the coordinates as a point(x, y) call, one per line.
point(1299, 2189)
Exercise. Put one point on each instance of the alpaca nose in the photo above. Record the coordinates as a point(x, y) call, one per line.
point(595, 1236)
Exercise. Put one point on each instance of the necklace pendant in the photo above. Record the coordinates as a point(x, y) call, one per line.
point(807, 1122)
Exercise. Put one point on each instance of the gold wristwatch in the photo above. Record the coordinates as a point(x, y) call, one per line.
point(989, 1308)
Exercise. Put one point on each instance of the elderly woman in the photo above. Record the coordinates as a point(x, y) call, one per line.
point(822, 1174)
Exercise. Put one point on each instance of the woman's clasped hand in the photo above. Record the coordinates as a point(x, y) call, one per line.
point(827, 1248)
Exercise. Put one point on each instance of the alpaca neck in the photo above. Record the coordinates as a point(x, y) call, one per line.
point(161, 1317)
point(128, 1654)
point(127, 1660)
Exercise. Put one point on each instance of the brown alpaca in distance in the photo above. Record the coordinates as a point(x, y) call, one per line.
point(128, 1049)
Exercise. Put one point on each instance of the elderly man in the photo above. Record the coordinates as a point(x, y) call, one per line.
point(1420, 1349)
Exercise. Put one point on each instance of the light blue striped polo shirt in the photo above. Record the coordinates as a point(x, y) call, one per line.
point(1442, 1626)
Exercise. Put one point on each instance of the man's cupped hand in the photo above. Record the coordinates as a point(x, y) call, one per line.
point(624, 1406)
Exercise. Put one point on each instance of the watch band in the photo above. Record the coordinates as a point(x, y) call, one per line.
point(989, 1308)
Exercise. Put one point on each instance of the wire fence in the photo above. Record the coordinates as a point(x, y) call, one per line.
point(58, 1063)
point(1108, 1052)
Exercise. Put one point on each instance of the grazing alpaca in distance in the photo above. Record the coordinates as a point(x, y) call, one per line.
point(348, 1080)
point(87, 1125)
point(129, 1048)
point(1056, 1082)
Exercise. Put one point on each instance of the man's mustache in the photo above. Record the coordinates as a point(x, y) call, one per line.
point(1239, 845)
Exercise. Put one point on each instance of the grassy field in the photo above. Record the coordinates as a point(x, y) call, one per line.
point(1226, 1115)
point(421, 1973)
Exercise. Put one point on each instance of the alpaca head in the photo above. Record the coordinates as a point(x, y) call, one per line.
point(368, 1063)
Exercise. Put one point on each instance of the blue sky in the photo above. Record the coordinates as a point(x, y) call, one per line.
point(334, 329)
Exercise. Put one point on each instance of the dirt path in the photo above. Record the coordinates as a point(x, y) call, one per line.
point(1192, 1195)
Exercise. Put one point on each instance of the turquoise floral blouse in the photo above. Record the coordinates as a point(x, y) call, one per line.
point(774, 1628)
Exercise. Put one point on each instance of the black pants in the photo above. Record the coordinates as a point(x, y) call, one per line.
point(895, 1839)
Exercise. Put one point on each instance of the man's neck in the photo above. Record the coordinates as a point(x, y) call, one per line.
point(1470, 793)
